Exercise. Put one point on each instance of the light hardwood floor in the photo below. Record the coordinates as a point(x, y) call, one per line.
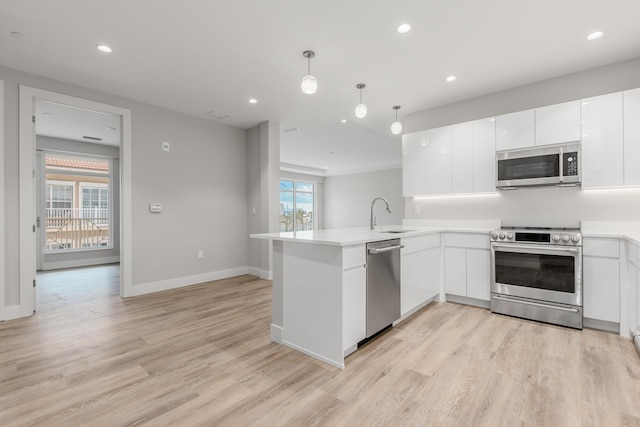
point(201, 356)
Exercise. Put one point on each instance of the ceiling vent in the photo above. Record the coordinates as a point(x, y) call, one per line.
point(92, 138)
point(290, 130)
point(220, 115)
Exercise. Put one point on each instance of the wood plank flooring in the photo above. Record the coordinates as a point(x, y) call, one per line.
point(201, 356)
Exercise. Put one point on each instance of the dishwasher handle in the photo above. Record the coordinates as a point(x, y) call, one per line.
point(387, 249)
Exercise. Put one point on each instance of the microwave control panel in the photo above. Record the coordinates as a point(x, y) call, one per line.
point(570, 163)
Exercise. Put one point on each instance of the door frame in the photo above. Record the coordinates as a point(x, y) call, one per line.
point(28, 213)
point(2, 220)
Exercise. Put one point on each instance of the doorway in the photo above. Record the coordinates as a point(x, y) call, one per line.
point(29, 99)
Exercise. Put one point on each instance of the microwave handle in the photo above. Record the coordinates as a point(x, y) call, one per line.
point(561, 177)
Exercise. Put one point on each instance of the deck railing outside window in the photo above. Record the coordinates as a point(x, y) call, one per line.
point(76, 228)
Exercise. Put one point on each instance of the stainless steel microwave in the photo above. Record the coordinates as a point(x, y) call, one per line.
point(547, 165)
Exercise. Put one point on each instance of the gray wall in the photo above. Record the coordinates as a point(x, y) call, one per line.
point(533, 206)
point(87, 257)
point(347, 199)
point(202, 183)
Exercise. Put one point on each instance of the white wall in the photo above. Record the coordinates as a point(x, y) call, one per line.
point(555, 206)
point(347, 199)
point(201, 182)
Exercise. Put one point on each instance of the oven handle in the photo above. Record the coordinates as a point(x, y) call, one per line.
point(572, 310)
point(531, 248)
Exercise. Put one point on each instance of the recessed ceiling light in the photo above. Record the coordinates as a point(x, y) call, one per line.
point(451, 78)
point(595, 35)
point(46, 113)
point(492, 119)
point(104, 48)
point(253, 101)
point(343, 121)
point(17, 34)
point(404, 28)
point(111, 128)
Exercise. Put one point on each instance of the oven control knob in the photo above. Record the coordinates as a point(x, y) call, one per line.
point(501, 236)
point(494, 235)
point(575, 239)
point(555, 238)
point(509, 236)
point(565, 238)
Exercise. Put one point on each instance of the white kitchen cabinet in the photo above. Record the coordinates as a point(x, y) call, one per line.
point(558, 123)
point(354, 307)
point(478, 274)
point(462, 158)
point(420, 271)
point(601, 279)
point(354, 295)
point(414, 164)
point(602, 141)
point(515, 130)
point(467, 265)
point(631, 108)
point(439, 160)
point(455, 271)
point(484, 155)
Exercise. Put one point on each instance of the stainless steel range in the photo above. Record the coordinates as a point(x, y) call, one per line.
point(536, 273)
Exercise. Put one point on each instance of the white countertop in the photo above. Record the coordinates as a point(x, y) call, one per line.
point(360, 235)
point(616, 230)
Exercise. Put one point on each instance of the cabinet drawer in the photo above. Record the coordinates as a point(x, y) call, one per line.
point(467, 240)
point(420, 243)
point(354, 256)
point(593, 246)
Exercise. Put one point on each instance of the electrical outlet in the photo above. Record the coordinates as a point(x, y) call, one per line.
point(166, 146)
point(200, 254)
point(416, 209)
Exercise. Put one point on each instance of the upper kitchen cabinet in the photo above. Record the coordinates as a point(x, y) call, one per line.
point(631, 99)
point(515, 130)
point(484, 155)
point(602, 141)
point(462, 158)
point(557, 123)
point(414, 164)
point(438, 162)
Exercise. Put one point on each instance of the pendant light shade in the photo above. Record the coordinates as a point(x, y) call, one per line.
point(396, 127)
point(361, 109)
point(309, 83)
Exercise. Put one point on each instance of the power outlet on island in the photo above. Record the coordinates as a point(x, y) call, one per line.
point(416, 209)
point(200, 254)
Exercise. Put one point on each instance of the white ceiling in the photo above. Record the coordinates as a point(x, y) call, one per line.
point(205, 55)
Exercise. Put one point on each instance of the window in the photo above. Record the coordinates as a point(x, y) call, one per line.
point(297, 202)
point(77, 202)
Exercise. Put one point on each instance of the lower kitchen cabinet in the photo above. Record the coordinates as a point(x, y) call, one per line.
point(467, 265)
point(601, 279)
point(354, 296)
point(420, 272)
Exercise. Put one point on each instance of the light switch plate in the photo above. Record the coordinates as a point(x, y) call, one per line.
point(416, 209)
point(155, 208)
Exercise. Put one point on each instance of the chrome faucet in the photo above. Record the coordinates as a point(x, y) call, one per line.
point(372, 224)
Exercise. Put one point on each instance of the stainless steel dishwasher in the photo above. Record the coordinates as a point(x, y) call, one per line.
point(383, 284)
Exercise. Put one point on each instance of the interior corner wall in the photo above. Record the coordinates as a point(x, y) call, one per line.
point(347, 199)
point(201, 183)
point(534, 207)
point(263, 160)
point(53, 261)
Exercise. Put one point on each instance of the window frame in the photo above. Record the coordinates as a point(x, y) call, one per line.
point(294, 192)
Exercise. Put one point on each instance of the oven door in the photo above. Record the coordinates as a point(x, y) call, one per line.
point(545, 273)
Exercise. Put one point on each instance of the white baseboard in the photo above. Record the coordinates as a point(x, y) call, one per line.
point(179, 282)
point(16, 312)
point(46, 266)
point(276, 333)
point(315, 355)
point(263, 274)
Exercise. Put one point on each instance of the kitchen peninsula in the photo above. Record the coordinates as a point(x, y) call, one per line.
point(319, 284)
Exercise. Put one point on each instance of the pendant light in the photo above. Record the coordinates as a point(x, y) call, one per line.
point(396, 127)
point(309, 83)
point(361, 109)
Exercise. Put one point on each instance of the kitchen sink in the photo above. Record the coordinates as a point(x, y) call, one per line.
point(395, 231)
